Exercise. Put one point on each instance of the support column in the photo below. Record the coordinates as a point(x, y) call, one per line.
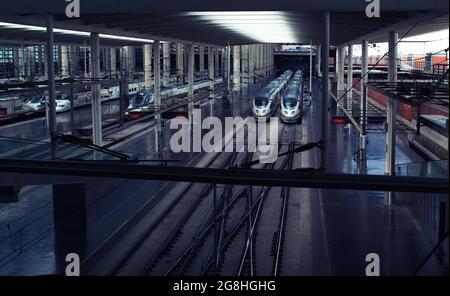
point(211, 67)
point(319, 60)
point(157, 91)
point(74, 69)
point(310, 67)
point(17, 63)
point(191, 65)
point(148, 66)
point(236, 67)
point(166, 64)
point(340, 70)
point(217, 62)
point(228, 70)
point(107, 61)
point(64, 61)
point(131, 60)
point(350, 78)
point(244, 62)
point(363, 103)
point(96, 100)
point(113, 60)
point(391, 114)
point(201, 58)
point(251, 64)
point(51, 87)
point(40, 61)
point(325, 86)
point(180, 62)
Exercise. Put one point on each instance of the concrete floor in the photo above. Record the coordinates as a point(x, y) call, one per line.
point(330, 231)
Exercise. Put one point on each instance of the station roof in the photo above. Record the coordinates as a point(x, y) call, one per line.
point(222, 22)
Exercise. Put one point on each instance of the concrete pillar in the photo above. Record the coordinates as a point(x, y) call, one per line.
point(217, 62)
point(319, 59)
point(391, 113)
point(131, 59)
point(65, 70)
point(180, 62)
point(350, 78)
point(148, 83)
point(244, 64)
point(363, 102)
point(201, 58)
point(124, 62)
point(74, 61)
point(107, 61)
point(191, 65)
point(325, 86)
point(96, 99)
point(51, 87)
point(166, 64)
point(236, 67)
point(251, 64)
point(157, 91)
point(211, 67)
point(228, 69)
point(40, 61)
point(113, 60)
point(19, 61)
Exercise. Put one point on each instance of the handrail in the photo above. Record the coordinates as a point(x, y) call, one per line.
point(277, 178)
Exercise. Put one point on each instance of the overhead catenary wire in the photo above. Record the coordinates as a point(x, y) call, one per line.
point(378, 62)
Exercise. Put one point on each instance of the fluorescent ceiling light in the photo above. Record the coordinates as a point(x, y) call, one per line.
point(73, 32)
point(261, 26)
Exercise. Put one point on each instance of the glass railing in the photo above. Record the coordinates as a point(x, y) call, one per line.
point(436, 169)
point(24, 149)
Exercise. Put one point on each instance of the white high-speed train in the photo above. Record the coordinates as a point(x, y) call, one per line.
point(265, 101)
point(292, 101)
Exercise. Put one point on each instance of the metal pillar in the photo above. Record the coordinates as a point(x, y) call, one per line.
point(363, 102)
point(391, 114)
point(51, 87)
point(341, 71)
point(325, 86)
point(211, 67)
point(350, 78)
point(107, 61)
point(96, 100)
point(191, 64)
point(157, 91)
point(236, 67)
point(40, 58)
point(166, 64)
point(180, 62)
point(147, 66)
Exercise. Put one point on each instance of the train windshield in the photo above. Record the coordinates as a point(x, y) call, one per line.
point(36, 100)
point(261, 101)
point(290, 102)
point(138, 100)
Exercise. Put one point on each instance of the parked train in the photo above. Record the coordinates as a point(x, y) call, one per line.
point(292, 101)
point(266, 101)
